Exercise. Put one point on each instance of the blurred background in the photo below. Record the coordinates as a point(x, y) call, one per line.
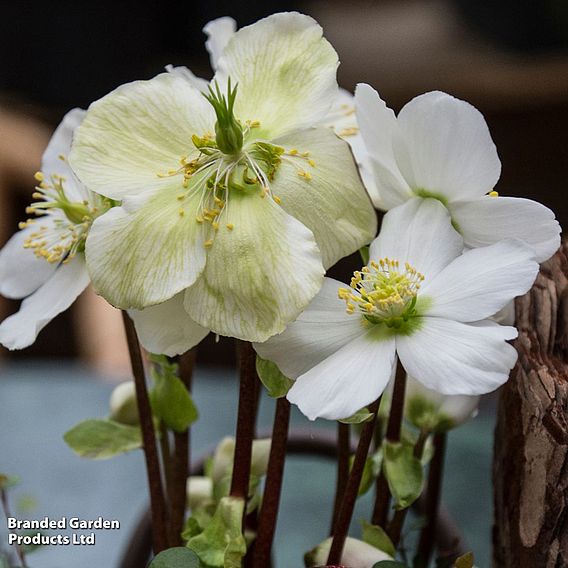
point(508, 58)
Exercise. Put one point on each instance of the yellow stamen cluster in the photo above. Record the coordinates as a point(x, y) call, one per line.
point(383, 290)
point(64, 223)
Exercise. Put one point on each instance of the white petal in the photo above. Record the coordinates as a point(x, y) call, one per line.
point(458, 358)
point(420, 233)
point(448, 148)
point(218, 32)
point(136, 132)
point(488, 219)
point(480, 282)
point(320, 330)
point(55, 157)
point(286, 72)
point(166, 328)
point(200, 84)
point(379, 130)
point(144, 252)
point(351, 378)
point(260, 275)
point(55, 296)
point(21, 271)
point(333, 204)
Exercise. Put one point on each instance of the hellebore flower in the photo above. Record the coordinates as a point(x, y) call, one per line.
point(418, 298)
point(440, 147)
point(235, 201)
point(44, 261)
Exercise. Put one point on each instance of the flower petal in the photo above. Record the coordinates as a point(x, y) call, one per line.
point(379, 129)
point(136, 132)
point(481, 281)
point(144, 252)
point(348, 380)
point(202, 85)
point(448, 148)
point(218, 32)
point(166, 328)
point(21, 271)
point(320, 330)
point(420, 233)
point(333, 203)
point(55, 296)
point(490, 219)
point(457, 358)
point(286, 73)
point(260, 275)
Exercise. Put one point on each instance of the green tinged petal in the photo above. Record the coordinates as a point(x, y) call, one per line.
point(333, 203)
point(137, 131)
point(138, 257)
point(286, 72)
point(260, 275)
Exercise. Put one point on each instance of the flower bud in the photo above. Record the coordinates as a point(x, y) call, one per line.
point(224, 455)
point(356, 554)
point(123, 405)
point(434, 412)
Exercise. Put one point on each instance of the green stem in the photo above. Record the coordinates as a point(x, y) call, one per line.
point(157, 499)
point(394, 425)
point(352, 488)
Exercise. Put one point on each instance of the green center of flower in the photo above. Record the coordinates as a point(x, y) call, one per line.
point(232, 159)
point(61, 225)
point(383, 292)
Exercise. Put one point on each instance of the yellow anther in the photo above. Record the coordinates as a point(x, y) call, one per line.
point(39, 176)
point(254, 123)
point(305, 175)
point(181, 197)
point(61, 157)
point(293, 152)
point(230, 226)
point(349, 131)
point(277, 199)
point(215, 225)
point(493, 193)
point(208, 243)
point(312, 163)
point(181, 212)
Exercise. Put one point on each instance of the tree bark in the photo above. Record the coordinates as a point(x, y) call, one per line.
point(530, 470)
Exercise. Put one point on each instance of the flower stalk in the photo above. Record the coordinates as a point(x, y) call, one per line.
point(345, 513)
point(343, 453)
point(433, 492)
point(394, 424)
point(273, 487)
point(157, 498)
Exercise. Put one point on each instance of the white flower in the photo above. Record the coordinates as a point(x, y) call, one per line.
point(434, 412)
point(417, 298)
point(44, 261)
point(440, 147)
point(356, 554)
point(123, 404)
point(238, 205)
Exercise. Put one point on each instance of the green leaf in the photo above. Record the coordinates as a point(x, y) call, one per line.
point(171, 401)
point(371, 470)
point(178, 557)
point(275, 382)
point(102, 439)
point(465, 561)
point(358, 418)
point(222, 544)
point(377, 537)
point(403, 472)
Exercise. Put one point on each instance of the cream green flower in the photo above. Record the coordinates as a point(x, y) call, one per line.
point(243, 230)
point(419, 299)
point(439, 146)
point(44, 261)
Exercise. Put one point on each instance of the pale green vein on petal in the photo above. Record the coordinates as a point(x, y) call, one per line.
point(333, 203)
point(141, 257)
point(135, 132)
point(259, 276)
